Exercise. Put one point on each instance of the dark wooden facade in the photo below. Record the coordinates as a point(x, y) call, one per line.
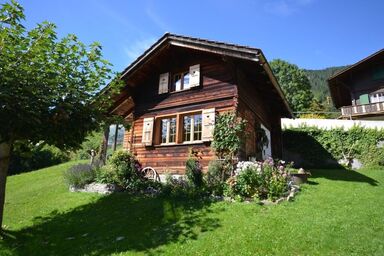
point(231, 78)
point(359, 89)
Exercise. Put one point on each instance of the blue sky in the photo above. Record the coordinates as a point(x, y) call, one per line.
point(310, 33)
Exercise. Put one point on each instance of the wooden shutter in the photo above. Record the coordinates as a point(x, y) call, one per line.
point(194, 72)
point(163, 83)
point(208, 117)
point(147, 131)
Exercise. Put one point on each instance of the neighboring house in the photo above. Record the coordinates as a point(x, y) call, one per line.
point(175, 89)
point(359, 89)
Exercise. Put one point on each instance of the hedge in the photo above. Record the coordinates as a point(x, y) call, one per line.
point(318, 148)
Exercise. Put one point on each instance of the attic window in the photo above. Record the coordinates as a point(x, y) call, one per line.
point(181, 81)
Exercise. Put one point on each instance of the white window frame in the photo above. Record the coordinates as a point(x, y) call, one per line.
point(192, 126)
point(182, 85)
point(168, 135)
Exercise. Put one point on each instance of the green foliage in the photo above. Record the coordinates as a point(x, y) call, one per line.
point(214, 179)
point(193, 169)
point(92, 141)
point(336, 144)
point(268, 179)
point(318, 81)
point(122, 170)
point(178, 188)
point(294, 83)
point(28, 157)
point(56, 80)
point(107, 175)
point(79, 175)
point(194, 173)
point(227, 135)
point(247, 183)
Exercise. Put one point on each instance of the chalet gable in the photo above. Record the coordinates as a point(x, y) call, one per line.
point(171, 50)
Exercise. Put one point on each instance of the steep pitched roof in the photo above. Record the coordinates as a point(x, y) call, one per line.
point(351, 68)
point(215, 47)
point(338, 85)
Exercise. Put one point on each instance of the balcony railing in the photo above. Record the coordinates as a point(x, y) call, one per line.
point(366, 109)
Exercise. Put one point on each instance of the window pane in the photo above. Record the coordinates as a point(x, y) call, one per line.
point(177, 82)
point(186, 80)
point(172, 130)
point(187, 128)
point(164, 130)
point(197, 127)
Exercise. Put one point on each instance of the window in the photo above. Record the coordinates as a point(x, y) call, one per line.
point(192, 125)
point(168, 130)
point(181, 81)
point(377, 97)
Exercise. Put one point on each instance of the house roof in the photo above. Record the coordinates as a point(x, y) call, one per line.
point(358, 64)
point(338, 83)
point(215, 47)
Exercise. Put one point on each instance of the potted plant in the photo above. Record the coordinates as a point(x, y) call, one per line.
point(299, 176)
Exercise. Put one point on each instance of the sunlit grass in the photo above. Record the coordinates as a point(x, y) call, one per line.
point(338, 213)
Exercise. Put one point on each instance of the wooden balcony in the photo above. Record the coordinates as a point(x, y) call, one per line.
point(370, 109)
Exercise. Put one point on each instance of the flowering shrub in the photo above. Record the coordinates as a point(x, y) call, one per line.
point(124, 170)
point(268, 179)
point(79, 175)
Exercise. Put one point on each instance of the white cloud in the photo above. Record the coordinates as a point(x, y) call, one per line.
point(285, 7)
point(117, 17)
point(136, 48)
point(156, 19)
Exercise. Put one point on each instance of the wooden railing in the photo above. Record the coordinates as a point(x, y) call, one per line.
point(362, 109)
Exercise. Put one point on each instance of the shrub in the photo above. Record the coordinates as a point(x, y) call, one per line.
point(105, 174)
point(328, 146)
point(194, 173)
point(268, 179)
point(177, 187)
point(228, 137)
point(79, 175)
point(92, 141)
point(123, 164)
point(214, 177)
point(124, 170)
point(248, 182)
point(28, 157)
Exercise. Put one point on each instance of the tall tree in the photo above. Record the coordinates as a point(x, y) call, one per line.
point(294, 83)
point(47, 87)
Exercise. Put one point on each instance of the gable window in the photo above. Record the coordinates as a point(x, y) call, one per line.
point(192, 128)
point(168, 130)
point(181, 81)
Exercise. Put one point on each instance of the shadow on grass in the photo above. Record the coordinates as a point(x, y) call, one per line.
point(113, 224)
point(305, 151)
point(344, 175)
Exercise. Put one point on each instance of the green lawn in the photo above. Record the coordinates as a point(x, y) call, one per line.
point(339, 213)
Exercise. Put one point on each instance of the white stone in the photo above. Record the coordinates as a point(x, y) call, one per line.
point(96, 188)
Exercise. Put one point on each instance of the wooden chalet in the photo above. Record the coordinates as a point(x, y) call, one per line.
point(175, 89)
point(359, 89)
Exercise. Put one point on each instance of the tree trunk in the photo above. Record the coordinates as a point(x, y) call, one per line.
point(5, 152)
point(115, 138)
point(104, 146)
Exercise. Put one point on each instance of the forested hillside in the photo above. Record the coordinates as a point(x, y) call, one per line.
point(318, 80)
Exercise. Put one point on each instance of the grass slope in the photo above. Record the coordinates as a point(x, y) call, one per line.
point(338, 213)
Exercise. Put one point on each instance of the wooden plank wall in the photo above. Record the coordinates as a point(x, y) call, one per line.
point(218, 91)
point(257, 106)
